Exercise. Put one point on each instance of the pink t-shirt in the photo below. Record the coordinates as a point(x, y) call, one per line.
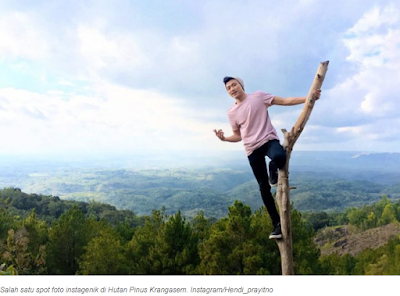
point(252, 119)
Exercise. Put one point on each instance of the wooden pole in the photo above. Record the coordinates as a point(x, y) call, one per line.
point(283, 191)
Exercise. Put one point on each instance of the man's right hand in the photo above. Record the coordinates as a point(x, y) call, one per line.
point(220, 134)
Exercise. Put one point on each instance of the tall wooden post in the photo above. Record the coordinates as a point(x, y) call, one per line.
point(283, 191)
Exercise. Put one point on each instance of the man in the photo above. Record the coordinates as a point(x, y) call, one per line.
point(250, 122)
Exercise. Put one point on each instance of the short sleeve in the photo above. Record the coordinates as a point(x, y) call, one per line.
point(267, 98)
point(232, 121)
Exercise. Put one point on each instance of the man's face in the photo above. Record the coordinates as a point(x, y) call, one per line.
point(234, 88)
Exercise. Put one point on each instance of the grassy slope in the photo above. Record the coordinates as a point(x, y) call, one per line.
point(346, 240)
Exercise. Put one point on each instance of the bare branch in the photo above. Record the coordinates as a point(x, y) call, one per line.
point(283, 191)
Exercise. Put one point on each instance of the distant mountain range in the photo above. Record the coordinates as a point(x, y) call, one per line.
point(326, 181)
point(383, 168)
point(387, 162)
point(300, 160)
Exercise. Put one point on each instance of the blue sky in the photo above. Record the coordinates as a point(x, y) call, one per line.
point(112, 77)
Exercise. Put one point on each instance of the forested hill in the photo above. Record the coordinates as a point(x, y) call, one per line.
point(325, 181)
point(67, 220)
point(193, 190)
point(50, 208)
point(78, 242)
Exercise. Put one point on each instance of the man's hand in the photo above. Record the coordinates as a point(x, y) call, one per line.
point(220, 134)
point(236, 137)
point(317, 94)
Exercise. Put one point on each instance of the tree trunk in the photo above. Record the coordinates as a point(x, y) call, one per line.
point(283, 191)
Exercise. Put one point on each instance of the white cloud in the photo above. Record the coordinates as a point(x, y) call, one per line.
point(20, 37)
point(374, 19)
point(173, 95)
point(374, 46)
point(365, 105)
point(103, 50)
point(115, 119)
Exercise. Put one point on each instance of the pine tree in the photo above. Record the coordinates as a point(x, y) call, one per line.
point(105, 254)
point(7, 222)
point(142, 253)
point(177, 246)
point(67, 239)
point(164, 245)
point(305, 252)
point(239, 244)
point(388, 215)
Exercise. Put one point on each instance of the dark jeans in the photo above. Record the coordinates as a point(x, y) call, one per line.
point(277, 154)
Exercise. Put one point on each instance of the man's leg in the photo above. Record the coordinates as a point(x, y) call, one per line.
point(259, 167)
point(277, 154)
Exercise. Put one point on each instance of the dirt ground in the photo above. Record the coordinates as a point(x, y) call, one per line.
point(344, 240)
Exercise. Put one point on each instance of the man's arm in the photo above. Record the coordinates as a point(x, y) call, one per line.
point(236, 137)
point(288, 101)
point(294, 100)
